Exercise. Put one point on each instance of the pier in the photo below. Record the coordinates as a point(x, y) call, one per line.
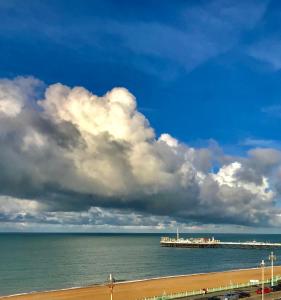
point(213, 243)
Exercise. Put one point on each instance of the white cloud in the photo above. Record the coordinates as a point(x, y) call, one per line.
point(14, 94)
point(206, 30)
point(87, 159)
point(158, 46)
point(272, 111)
point(169, 140)
point(267, 50)
point(254, 142)
point(10, 205)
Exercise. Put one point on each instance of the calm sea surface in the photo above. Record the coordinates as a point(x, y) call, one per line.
point(30, 262)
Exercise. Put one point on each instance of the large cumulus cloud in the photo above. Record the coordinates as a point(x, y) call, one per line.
point(69, 155)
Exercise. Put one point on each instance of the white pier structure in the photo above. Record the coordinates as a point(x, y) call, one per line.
point(213, 243)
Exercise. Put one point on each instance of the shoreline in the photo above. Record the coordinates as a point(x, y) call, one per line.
point(123, 282)
point(148, 287)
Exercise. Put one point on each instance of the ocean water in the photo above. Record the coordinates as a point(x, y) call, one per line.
point(34, 262)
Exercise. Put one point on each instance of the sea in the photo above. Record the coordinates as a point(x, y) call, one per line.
point(39, 262)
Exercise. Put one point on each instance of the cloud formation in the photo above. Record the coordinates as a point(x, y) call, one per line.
point(161, 40)
point(72, 157)
point(267, 50)
point(206, 31)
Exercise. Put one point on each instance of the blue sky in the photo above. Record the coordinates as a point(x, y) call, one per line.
point(199, 69)
point(205, 133)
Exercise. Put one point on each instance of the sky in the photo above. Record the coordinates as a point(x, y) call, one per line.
point(140, 116)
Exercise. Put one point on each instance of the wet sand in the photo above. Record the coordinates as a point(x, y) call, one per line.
point(152, 287)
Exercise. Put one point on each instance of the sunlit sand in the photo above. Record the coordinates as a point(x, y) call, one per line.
point(153, 287)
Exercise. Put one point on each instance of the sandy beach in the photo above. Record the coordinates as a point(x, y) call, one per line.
point(152, 287)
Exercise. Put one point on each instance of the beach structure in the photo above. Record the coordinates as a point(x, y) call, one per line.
point(272, 258)
point(262, 279)
point(214, 243)
point(111, 282)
